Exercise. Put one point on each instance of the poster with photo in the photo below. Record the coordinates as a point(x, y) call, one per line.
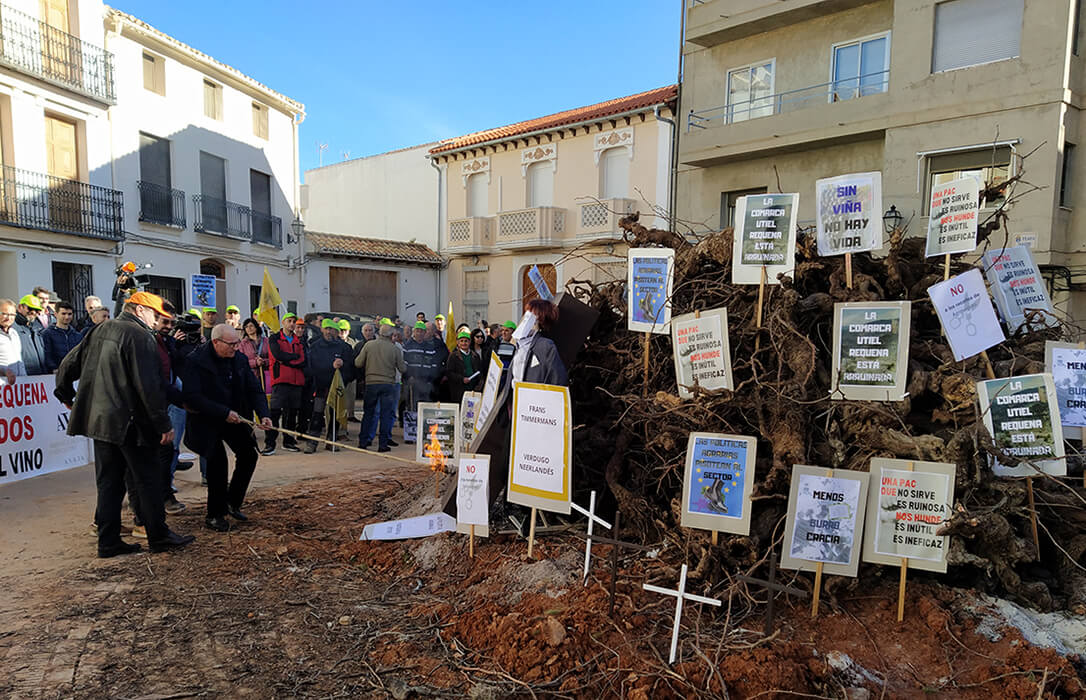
point(966, 312)
point(440, 421)
point(1018, 287)
point(718, 482)
point(650, 272)
point(540, 449)
point(1066, 362)
point(825, 520)
point(906, 504)
point(765, 236)
point(871, 350)
point(952, 222)
point(849, 217)
point(1023, 419)
point(702, 354)
point(469, 407)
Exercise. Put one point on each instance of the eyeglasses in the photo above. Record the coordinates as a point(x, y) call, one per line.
point(234, 344)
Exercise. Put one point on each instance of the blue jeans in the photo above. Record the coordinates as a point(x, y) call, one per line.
point(380, 399)
point(177, 422)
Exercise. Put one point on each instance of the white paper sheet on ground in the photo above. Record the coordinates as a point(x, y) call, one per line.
point(408, 528)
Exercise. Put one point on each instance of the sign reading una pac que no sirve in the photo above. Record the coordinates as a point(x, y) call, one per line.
point(764, 237)
point(907, 503)
point(540, 450)
point(952, 221)
point(702, 354)
point(870, 350)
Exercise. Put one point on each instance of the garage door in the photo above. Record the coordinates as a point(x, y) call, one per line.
point(362, 291)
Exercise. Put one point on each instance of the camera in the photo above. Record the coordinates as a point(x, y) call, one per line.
point(134, 278)
point(189, 325)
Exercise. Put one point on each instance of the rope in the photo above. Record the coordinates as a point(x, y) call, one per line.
point(340, 445)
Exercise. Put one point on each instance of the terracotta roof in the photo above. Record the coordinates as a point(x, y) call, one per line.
point(602, 110)
point(372, 248)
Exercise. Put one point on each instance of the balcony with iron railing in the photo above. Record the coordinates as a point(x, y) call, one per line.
point(791, 119)
point(31, 46)
point(161, 205)
point(223, 218)
point(267, 229)
point(536, 227)
point(38, 201)
point(713, 22)
point(599, 218)
point(474, 234)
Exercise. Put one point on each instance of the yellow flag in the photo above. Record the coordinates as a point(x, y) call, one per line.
point(335, 408)
point(269, 303)
point(450, 329)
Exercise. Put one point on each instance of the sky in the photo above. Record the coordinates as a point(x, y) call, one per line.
point(379, 76)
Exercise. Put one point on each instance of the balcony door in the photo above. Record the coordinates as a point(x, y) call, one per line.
point(260, 203)
point(477, 194)
point(156, 202)
point(750, 92)
point(61, 58)
point(62, 162)
point(860, 68)
point(527, 289)
point(213, 192)
point(540, 185)
point(615, 173)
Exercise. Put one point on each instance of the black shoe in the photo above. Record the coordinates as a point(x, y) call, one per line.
point(174, 506)
point(236, 514)
point(172, 540)
point(393, 443)
point(291, 448)
point(367, 446)
point(310, 448)
point(117, 549)
point(203, 481)
point(184, 466)
point(386, 448)
point(219, 524)
point(268, 451)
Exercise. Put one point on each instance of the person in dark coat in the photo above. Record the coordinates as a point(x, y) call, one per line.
point(121, 405)
point(464, 368)
point(29, 331)
point(60, 338)
point(218, 388)
point(326, 355)
point(537, 359)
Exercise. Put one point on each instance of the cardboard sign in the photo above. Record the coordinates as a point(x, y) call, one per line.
point(203, 291)
point(540, 284)
point(701, 351)
point(718, 482)
point(825, 520)
point(906, 504)
point(446, 417)
point(871, 350)
point(410, 425)
point(1017, 285)
point(540, 451)
point(490, 390)
point(33, 422)
point(1024, 420)
point(849, 213)
point(765, 236)
point(469, 407)
point(648, 289)
point(1067, 365)
point(966, 312)
point(952, 224)
point(418, 526)
point(472, 493)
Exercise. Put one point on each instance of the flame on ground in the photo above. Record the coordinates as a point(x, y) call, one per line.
point(434, 452)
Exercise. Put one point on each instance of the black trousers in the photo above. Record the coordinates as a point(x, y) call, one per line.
point(220, 493)
point(316, 419)
point(141, 466)
point(286, 402)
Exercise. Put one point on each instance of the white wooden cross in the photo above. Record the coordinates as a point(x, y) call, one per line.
point(592, 518)
point(679, 594)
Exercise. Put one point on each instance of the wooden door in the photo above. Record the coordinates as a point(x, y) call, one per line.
point(60, 50)
point(550, 276)
point(362, 291)
point(62, 162)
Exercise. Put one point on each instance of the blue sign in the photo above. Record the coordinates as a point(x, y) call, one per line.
point(718, 477)
point(203, 291)
point(650, 276)
point(540, 284)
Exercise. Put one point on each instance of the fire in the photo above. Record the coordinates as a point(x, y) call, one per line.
point(434, 452)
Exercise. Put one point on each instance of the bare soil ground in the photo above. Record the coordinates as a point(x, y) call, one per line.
point(293, 605)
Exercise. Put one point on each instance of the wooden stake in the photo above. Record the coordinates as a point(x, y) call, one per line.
point(988, 369)
point(437, 485)
point(761, 299)
point(901, 589)
point(471, 542)
point(848, 270)
point(817, 590)
point(715, 533)
point(946, 267)
point(531, 535)
point(645, 365)
point(1033, 516)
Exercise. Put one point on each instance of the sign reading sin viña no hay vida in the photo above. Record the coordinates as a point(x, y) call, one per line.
point(1022, 416)
point(648, 289)
point(849, 213)
point(765, 236)
point(870, 350)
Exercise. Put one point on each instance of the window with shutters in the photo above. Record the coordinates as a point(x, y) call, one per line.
point(540, 183)
point(260, 120)
point(212, 100)
point(477, 195)
point(990, 166)
point(973, 32)
point(154, 73)
point(615, 173)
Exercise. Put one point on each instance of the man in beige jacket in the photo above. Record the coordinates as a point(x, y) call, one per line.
point(378, 363)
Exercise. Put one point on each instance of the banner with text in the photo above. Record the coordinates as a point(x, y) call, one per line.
point(871, 350)
point(1066, 363)
point(702, 354)
point(952, 222)
point(906, 504)
point(33, 440)
point(648, 288)
point(764, 237)
point(540, 450)
point(1022, 416)
point(490, 390)
point(469, 407)
point(966, 312)
point(203, 291)
point(849, 213)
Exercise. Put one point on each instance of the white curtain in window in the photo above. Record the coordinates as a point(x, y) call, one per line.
point(477, 201)
point(615, 173)
point(971, 32)
point(540, 185)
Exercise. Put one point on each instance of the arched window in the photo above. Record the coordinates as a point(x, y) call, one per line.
point(615, 173)
point(211, 266)
point(540, 183)
point(477, 199)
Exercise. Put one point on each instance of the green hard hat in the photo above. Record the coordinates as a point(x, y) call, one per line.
point(510, 325)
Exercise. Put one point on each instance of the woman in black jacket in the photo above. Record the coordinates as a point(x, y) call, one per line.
point(464, 368)
point(537, 359)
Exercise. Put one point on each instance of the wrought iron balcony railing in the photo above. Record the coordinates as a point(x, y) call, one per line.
point(161, 205)
point(39, 201)
point(218, 216)
point(29, 45)
point(267, 229)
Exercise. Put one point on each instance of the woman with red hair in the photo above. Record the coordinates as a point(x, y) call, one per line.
point(537, 358)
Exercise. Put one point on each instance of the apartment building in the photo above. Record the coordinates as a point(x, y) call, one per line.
point(779, 93)
point(549, 192)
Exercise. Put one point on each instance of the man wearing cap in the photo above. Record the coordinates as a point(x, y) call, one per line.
point(506, 348)
point(209, 318)
point(369, 332)
point(425, 366)
point(463, 368)
point(327, 354)
point(219, 388)
point(233, 317)
point(30, 335)
point(288, 370)
point(121, 405)
point(378, 363)
point(345, 336)
point(439, 327)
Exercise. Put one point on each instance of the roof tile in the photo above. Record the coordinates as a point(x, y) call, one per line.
point(372, 248)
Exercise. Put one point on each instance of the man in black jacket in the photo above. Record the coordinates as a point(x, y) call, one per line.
point(219, 388)
point(326, 354)
point(121, 405)
point(26, 325)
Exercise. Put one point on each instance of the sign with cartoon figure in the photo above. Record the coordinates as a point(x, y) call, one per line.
point(825, 520)
point(765, 236)
point(906, 504)
point(849, 213)
point(1067, 365)
point(702, 354)
point(870, 350)
point(952, 224)
point(718, 482)
point(648, 289)
point(966, 312)
point(1018, 287)
point(1022, 416)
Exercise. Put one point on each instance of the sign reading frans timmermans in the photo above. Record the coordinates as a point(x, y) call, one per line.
point(870, 350)
point(1022, 416)
point(540, 449)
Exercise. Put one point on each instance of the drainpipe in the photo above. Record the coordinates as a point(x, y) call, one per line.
point(296, 121)
point(441, 272)
point(671, 166)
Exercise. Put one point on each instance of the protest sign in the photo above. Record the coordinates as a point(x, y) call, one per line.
point(490, 390)
point(472, 497)
point(906, 504)
point(440, 421)
point(952, 221)
point(702, 355)
point(765, 236)
point(203, 291)
point(849, 216)
point(966, 312)
point(33, 440)
point(718, 482)
point(469, 407)
point(540, 453)
point(540, 284)
point(825, 520)
point(418, 526)
point(1017, 285)
point(648, 288)
point(1022, 416)
point(1066, 363)
point(871, 350)
point(410, 425)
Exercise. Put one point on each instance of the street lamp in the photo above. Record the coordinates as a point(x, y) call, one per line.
point(891, 220)
point(297, 226)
